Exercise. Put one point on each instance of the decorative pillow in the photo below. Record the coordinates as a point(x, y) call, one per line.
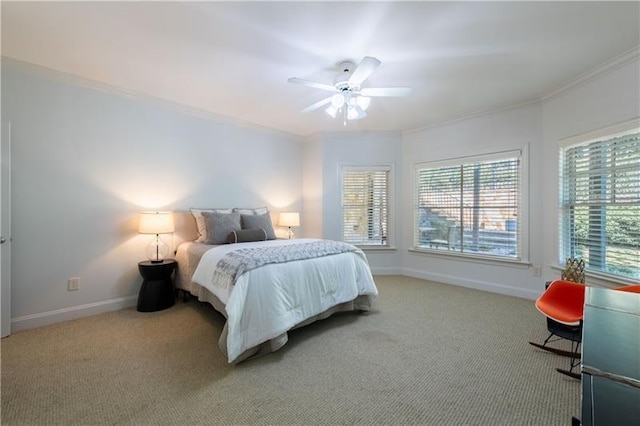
point(219, 225)
point(200, 221)
point(258, 210)
point(246, 235)
point(259, 221)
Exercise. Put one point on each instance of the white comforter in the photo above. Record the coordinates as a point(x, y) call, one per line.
point(267, 301)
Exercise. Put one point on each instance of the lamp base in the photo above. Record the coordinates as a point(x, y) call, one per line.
point(290, 234)
point(157, 250)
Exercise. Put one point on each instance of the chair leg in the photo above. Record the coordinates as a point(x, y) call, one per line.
point(575, 362)
point(574, 354)
point(569, 373)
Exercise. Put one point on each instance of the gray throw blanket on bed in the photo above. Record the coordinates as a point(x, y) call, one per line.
point(237, 262)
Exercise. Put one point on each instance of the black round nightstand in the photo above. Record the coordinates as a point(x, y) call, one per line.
point(156, 292)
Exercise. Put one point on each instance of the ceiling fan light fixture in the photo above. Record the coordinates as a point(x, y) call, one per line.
point(363, 102)
point(332, 110)
point(337, 100)
point(354, 112)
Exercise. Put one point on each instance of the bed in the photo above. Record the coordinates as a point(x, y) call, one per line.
point(266, 288)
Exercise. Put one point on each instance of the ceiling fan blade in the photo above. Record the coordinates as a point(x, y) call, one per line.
point(322, 86)
point(396, 92)
point(364, 70)
point(317, 105)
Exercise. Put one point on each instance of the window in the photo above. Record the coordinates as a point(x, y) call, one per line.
point(470, 206)
point(365, 205)
point(600, 204)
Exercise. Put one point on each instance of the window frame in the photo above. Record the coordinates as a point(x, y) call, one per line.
point(388, 244)
point(522, 245)
point(565, 240)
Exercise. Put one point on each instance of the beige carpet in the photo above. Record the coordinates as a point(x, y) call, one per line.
point(428, 354)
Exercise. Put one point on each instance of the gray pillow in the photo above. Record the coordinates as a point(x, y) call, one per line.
point(246, 235)
point(218, 226)
point(200, 221)
point(259, 221)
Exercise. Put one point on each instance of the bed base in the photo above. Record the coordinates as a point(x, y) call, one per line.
point(359, 305)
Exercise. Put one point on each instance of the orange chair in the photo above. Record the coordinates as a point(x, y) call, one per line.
point(563, 305)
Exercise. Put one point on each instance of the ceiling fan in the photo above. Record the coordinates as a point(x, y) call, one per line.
point(349, 97)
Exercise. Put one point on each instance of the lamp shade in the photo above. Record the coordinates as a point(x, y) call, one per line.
point(289, 219)
point(156, 223)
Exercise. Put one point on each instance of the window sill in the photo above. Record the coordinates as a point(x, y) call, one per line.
point(376, 248)
point(600, 279)
point(485, 260)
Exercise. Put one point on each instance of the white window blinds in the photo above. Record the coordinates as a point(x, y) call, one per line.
point(600, 204)
point(470, 206)
point(365, 205)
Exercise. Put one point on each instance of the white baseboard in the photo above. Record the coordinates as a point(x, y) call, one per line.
point(475, 284)
point(74, 312)
point(386, 271)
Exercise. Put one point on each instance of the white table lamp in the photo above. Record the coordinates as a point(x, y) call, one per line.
point(156, 223)
point(289, 219)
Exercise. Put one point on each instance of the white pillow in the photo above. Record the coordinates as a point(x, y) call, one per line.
point(200, 221)
point(258, 210)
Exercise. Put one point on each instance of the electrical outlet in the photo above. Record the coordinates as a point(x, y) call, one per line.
point(537, 271)
point(73, 284)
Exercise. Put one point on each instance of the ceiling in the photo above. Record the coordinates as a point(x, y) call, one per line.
point(234, 58)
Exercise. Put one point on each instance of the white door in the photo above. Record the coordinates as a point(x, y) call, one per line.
point(5, 230)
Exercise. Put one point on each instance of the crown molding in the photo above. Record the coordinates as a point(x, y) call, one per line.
point(608, 67)
point(473, 115)
point(78, 81)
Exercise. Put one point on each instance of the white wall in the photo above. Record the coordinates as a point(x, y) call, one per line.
point(602, 98)
point(609, 97)
point(86, 159)
point(312, 187)
point(325, 154)
point(512, 129)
